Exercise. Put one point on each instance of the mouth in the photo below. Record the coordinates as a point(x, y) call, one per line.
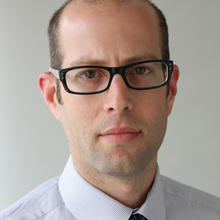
point(120, 135)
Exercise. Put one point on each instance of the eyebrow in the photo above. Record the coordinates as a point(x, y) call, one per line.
point(84, 60)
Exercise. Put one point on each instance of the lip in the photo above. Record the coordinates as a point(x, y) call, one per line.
point(120, 135)
point(117, 131)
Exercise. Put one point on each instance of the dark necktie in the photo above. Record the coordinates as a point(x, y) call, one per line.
point(137, 217)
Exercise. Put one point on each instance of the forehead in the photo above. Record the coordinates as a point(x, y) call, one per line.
point(110, 28)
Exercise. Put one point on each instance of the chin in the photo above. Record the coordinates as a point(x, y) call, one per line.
point(123, 165)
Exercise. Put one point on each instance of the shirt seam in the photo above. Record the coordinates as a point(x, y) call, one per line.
point(45, 214)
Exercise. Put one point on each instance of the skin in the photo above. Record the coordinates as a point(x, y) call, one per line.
point(130, 33)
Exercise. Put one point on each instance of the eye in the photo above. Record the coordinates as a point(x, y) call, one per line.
point(141, 70)
point(89, 74)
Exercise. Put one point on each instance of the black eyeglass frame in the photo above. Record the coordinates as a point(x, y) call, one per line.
point(61, 75)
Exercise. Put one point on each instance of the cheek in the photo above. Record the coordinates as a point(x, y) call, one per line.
point(154, 109)
point(78, 114)
point(155, 102)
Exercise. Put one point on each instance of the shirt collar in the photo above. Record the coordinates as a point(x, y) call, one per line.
point(154, 206)
point(87, 202)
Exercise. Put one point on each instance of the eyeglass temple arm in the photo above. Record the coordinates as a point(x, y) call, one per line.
point(55, 72)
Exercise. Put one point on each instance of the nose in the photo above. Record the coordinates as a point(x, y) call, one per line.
point(118, 97)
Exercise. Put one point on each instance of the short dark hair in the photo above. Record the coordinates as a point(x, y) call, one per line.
point(53, 34)
point(164, 31)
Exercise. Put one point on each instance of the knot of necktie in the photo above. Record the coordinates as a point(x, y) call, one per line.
point(137, 217)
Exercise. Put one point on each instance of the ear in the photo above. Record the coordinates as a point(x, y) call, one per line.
point(173, 88)
point(47, 84)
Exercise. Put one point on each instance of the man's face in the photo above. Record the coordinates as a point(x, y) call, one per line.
point(112, 34)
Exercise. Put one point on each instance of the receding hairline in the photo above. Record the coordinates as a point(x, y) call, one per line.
point(68, 3)
point(59, 14)
point(99, 2)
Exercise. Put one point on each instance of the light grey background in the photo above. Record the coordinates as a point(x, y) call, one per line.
point(33, 146)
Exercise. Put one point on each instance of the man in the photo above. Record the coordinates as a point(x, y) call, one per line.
point(112, 86)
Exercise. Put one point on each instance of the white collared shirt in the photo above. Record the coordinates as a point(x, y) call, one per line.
point(71, 197)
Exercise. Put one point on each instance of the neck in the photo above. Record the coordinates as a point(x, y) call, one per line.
point(131, 191)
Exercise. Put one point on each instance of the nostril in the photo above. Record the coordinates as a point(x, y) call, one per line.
point(118, 107)
point(126, 108)
point(110, 109)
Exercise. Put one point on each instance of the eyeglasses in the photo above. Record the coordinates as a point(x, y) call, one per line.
point(86, 80)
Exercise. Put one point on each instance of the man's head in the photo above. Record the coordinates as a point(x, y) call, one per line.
point(117, 132)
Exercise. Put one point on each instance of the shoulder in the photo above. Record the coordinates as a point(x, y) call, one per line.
point(189, 201)
point(37, 204)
